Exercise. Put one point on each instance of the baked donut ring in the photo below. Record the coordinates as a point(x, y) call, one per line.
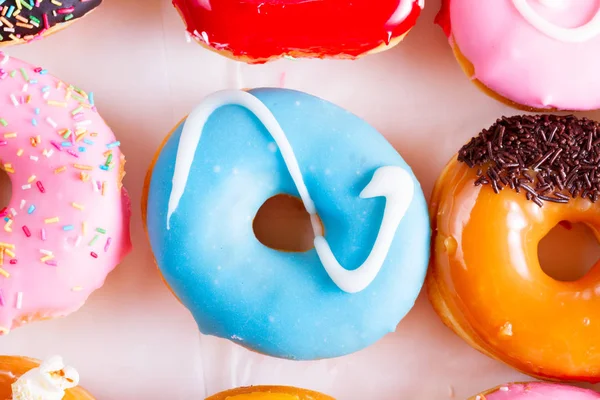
point(23, 378)
point(529, 54)
point(269, 393)
point(536, 391)
point(260, 31)
point(491, 206)
point(23, 21)
point(232, 153)
point(68, 207)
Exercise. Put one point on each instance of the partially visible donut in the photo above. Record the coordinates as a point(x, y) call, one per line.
point(269, 393)
point(23, 21)
point(19, 374)
point(505, 190)
point(260, 31)
point(529, 54)
point(67, 223)
point(536, 391)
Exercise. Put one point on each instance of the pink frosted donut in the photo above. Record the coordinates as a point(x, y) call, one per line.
point(67, 224)
point(541, 54)
point(537, 391)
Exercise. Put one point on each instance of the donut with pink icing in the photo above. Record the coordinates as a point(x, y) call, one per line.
point(67, 223)
point(532, 54)
point(537, 391)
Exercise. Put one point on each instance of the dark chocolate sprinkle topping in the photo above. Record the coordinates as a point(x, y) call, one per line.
point(549, 158)
point(27, 19)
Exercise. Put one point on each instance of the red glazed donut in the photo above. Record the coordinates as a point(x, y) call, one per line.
point(256, 31)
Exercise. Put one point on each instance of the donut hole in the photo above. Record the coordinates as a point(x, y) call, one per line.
point(5, 189)
point(568, 251)
point(283, 224)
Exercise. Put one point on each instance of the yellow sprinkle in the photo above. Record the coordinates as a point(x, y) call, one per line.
point(84, 177)
point(7, 245)
point(31, 178)
point(56, 103)
point(4, 273)
point(76, 288)
point(9, 253)
point(7, 227)
point(2, 257)
point(84, 227)
point(77, 206)
point(9, 170)
point(46, 258)
point(60, 169)
point(19, 6)
point(103, 187)
point(51, 220)
point(38, 139)
point(19, 152)
point(13, 36)
point(10, 135)
point(83, 167)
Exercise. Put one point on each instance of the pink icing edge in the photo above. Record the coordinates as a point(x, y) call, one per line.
point(540, 391)
point(523, 82)
point(56, 296)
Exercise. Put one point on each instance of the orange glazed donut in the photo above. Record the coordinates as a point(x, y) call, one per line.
point(491, 206)
point(260, 31)
point(269, 393)
point(23, 378)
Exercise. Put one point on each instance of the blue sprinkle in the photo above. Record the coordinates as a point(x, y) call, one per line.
point(2, 2)
point(88, 141)
point(90, 95)
point(113, 144)
point(37, 111)
point(6, 219)
point(31, 209)
point(104, 167)
point(33, 122)
point(43, 72)
point(33, 81)
point(82, 149)
point(45, 89)
point(66, 144)
point(10, 11)
point(68, 228)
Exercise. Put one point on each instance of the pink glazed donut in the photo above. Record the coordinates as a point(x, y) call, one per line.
point(67, 223)
point(537, 391)
point(531, 54)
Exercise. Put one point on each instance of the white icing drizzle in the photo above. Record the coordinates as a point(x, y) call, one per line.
point(403, 11)
point(192, 131)
point(396, 185)
point(570, 35)
point(393, 183)
point(48, 381)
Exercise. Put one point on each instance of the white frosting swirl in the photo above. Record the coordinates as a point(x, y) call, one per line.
point(46, 382)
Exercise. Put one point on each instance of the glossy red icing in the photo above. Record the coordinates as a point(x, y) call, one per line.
point(261, 30)
point(443, 18)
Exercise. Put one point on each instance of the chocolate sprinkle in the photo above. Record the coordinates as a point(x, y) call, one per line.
point(549, 158)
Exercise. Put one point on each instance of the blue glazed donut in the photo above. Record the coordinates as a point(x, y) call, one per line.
point(238, 149)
